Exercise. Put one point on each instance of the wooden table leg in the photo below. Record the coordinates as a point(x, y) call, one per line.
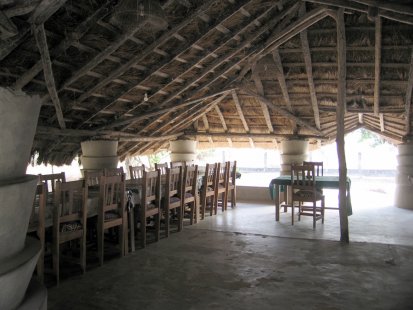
point(277, 202)
point(131, 229)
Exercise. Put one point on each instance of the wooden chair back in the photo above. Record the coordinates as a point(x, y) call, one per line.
point(221, 186)
point(92, 178)
point(113, 171)
point(112, 211)
point(318, 167)
point(172, 198)
point(37, 224)
point(162, 167)
point(136, 172)
point(69, 219)
point(190, 191)
point(208, 188)
point(175, 164)
point(50, 181)
point(150, 202)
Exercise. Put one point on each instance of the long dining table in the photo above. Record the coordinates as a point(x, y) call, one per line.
point(327, 182)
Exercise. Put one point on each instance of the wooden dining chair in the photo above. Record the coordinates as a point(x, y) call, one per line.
point(190, 192)
point(162, 167)
point(109, 172)
point(221, 186)
point(92, 178)
point(232, 188)
point(112, 212)
point(136, 172)
point(37, 225)
point(50, 181)
point(172, 198)
point(69, 220)
point(150, 205)
point(208, 189)
point(303, 190)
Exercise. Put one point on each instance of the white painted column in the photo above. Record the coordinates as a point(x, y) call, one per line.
point(404, 177)
point(292, 152)
point(18, 255)
point(99, 154)
point(183, 150)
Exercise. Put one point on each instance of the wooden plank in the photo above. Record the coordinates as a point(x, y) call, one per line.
point(239, 110)
point(41, 40)
point(309, 69)
point(377, 66)
point(74, 36)
point(341, 110)
point(268, 136)
point(388, 6)
point(408, 98)
point(360, 115)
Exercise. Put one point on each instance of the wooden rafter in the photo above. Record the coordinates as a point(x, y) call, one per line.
point(268, 136)
point(41, 40)
point(224, 124)
point(205, 121)
point(341, 110)
point(309, 69)
point(264, 107)
point(73, 37)
point(40, 15)
point(178, 54)
point(408, 98)
point(279, 73)
point(192, 116)
point(377, 65)
point(239, 110)
point(402, 16)
point(283, 112)
point(381, 117)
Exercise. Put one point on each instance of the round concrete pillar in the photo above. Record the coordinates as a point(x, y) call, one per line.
point(292, 152)
point(404, 177)
point(99, 154)
point(183, 150)
point(18, 120)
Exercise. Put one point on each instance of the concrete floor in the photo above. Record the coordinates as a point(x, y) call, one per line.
point(244, 260)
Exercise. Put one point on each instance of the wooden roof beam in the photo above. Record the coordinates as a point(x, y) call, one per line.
point(408, 97)
point(79, 32)
point(239, 110)
point(279, 72)
point(41, 40)
point(284, 112)
point(269, 136)
point(402, 16)
point(377, 65)
point(264, 107)
point(309, 69)
point(180, 52)
point(224, 124)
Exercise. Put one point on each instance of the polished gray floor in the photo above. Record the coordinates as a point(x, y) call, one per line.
point(243, 259)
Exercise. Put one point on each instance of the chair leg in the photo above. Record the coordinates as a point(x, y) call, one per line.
point(322, 209)
point(157, 226)
point(100, 237)
point(167, 219)
point(314, 215)
point(180, 211)
point(56, 262)
point(292, 213)
point(83, 252)
point(143, 231)
point(122, 239)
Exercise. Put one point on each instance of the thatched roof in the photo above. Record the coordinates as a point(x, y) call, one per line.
point(227, 73)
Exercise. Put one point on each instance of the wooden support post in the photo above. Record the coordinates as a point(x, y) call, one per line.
point(377, 66)
point(381, 116)
point(41, 40)
point(341, 103)
point(408, 98)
